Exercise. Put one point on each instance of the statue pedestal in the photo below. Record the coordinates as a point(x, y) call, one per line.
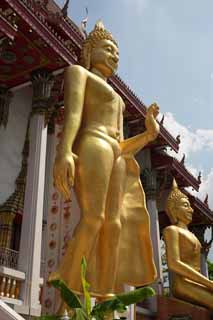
point(174, 309)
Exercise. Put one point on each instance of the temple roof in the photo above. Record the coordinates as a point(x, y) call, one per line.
point(35, 35)
point(169, 165)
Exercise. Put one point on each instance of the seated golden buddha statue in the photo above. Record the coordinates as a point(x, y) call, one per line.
point(183, 253)
point(113, 233)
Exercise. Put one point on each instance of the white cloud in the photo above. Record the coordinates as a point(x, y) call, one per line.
point(207, 188)
point(192, 142)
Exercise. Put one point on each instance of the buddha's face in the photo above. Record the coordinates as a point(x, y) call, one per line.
point(184, 210)
point(105, 57)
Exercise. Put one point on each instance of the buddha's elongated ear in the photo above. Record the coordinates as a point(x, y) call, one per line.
point(171, 211)
point(173, 216)
point(86, 55)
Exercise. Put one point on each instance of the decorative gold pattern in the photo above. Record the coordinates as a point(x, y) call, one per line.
point(15, 203)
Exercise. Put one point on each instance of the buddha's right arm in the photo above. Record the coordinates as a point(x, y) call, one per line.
point(171, 237)
point(135, 144)
point(74, 94)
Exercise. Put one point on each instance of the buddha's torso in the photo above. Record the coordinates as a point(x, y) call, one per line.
point(189, 248)
point(102, 107)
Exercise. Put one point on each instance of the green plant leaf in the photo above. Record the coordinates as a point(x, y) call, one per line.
point(48, 317)
point(79, 314)
point(69, 297)
point(121, 301)
point(85, 285)
point(135, 296)
point(210, 269)
point(107, 307)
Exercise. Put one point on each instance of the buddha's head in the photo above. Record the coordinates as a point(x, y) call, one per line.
point(178, 207)
point(100, 51)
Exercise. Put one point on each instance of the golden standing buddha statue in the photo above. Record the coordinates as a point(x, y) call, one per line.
point(183, 253)
point(113, 233)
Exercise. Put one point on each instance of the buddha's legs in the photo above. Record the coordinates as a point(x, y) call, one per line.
point(110, 232)
point(193, 292)
point(149, 269)
point(93, 171)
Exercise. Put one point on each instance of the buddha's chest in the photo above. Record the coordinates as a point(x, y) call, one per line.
point(189, 246)
point(100, 92)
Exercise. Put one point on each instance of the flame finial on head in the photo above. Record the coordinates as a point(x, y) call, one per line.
point(99, 25)
point(97, 34)
point(174, 196)
point(174, 184)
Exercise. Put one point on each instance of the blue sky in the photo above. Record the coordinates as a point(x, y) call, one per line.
point(166, 55)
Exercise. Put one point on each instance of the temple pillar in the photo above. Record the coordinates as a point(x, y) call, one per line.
point(149, 180)
point(31, 233)
point(5, 99)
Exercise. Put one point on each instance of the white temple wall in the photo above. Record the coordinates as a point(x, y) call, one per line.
point(12, 141)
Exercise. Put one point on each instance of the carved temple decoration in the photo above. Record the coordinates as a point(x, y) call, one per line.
point(6, 226)
point(42, 102)
point(4, 44)
point(206, 201)
point(5, 99)
point(9, 287)
point(13, 206)
point(8, 258)
point(199, 178)
point(65, 8)
point(149, 181)
point(199, 232)
point(178, 139)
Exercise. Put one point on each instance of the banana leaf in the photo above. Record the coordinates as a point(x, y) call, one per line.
point(107, 307)
point(120, 302)
point(80, 314)
point(49, 318)
point(67, 295)
point(85, 285)
point(136, 295)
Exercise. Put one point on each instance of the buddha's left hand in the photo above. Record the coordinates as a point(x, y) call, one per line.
point(151, 124)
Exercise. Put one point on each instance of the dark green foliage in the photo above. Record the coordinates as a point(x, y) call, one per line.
point(210, 269)
point(49, 318)
point(80, 314)
point(107, 307)
point(136, 295)
point(67, 295)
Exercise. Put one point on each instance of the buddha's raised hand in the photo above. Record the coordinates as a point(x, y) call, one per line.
point(151, 124)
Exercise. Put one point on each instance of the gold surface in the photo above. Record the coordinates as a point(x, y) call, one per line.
point(183, 253)
point(114, 231)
